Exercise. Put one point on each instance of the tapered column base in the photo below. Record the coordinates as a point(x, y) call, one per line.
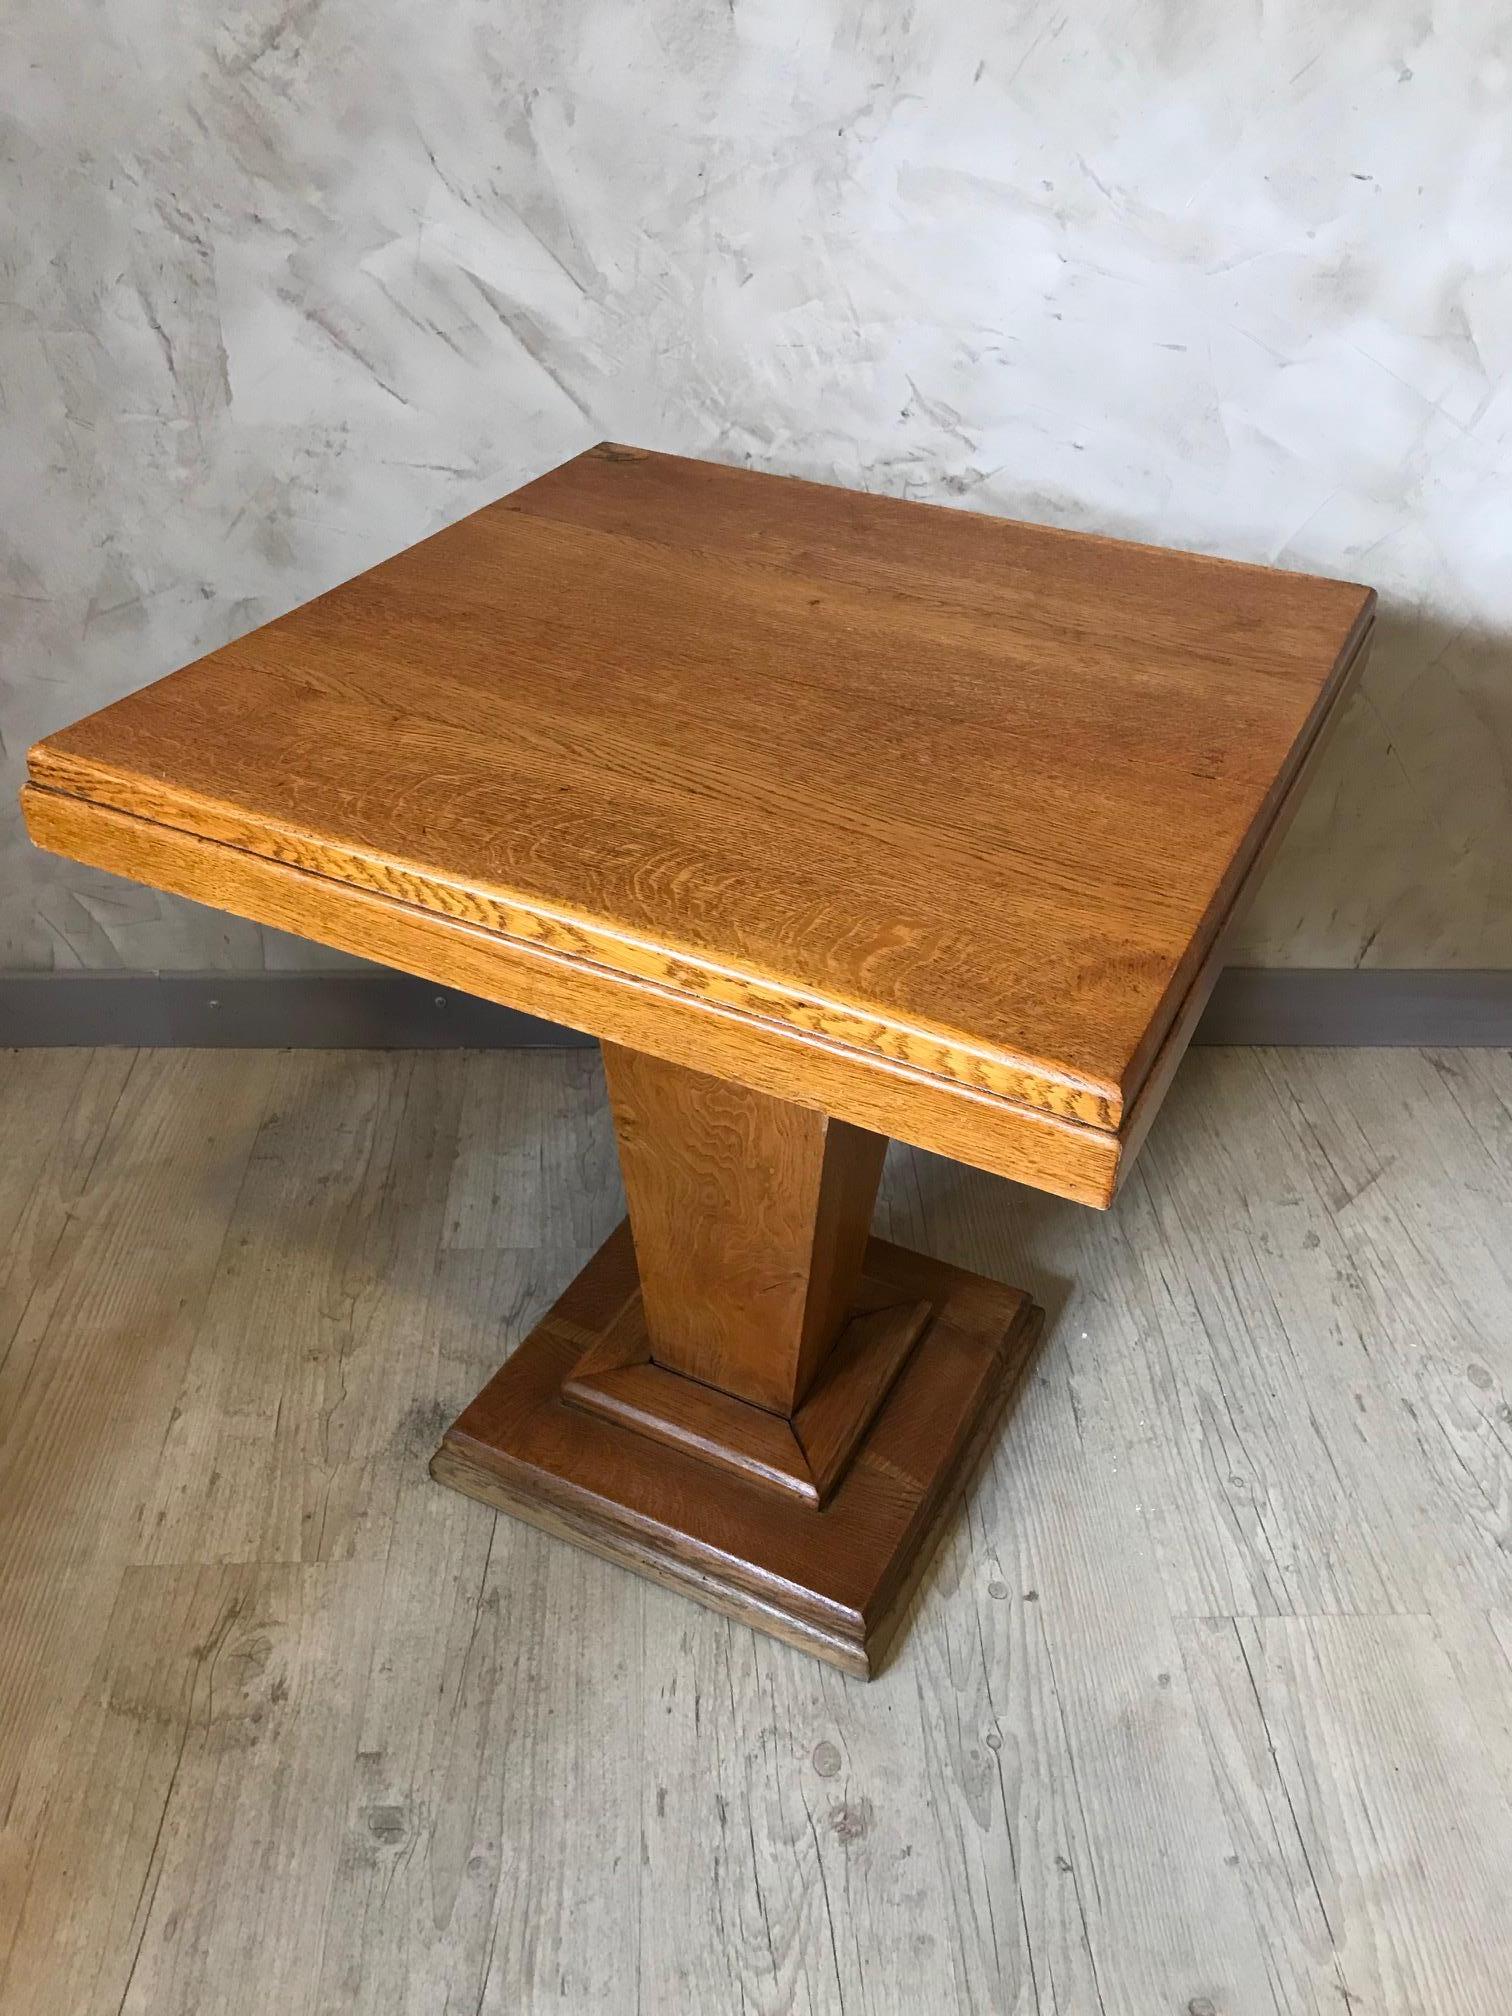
point(832, 1578)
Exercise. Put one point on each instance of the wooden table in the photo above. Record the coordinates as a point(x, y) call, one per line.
point(835, 818)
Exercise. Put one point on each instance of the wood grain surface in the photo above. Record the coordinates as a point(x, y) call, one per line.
point(751, 1419)
point(750, 1217)
point(872, 1091)
point(805, 1454)
point(831, 1581)
point(971, 797)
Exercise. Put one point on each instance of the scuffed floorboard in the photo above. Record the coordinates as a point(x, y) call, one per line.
point(1205, 1705)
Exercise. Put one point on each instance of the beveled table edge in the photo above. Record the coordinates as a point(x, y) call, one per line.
point(1042, 1126)
point(892, 1096)
point(885, 1095)
point(935, 1049)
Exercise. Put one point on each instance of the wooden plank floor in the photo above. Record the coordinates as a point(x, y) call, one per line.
point(1205, 1707)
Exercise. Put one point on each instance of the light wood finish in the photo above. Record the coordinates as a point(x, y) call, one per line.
point(938, 806)
point(1208, 1696)
point(750, 1217)
point(1054, 1154)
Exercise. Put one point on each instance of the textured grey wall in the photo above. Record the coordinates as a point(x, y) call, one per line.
point(290, 285)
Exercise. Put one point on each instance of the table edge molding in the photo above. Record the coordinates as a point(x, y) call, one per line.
point(891, 1096)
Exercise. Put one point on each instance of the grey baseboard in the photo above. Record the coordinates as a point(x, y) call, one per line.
point(260, 1011)
point(1375, 1008)
point(391, 1011)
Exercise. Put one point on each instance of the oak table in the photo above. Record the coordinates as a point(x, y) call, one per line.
point(836, 818)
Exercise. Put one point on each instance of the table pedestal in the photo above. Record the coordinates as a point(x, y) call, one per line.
point(749, 1399)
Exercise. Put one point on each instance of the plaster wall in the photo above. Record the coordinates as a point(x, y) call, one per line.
point(288, 286)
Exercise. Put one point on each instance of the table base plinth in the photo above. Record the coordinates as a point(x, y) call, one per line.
point(833, 1578)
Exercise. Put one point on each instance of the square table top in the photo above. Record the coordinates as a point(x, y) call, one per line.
point(874, 803)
